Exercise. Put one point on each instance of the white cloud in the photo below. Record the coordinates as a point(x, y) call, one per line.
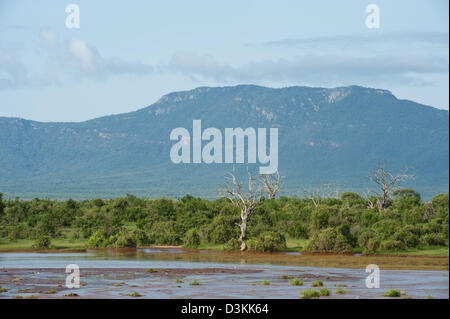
point(60, 61)
point(317, 69)
point(81, 51)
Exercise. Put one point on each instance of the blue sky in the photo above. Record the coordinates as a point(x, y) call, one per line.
point(127, 54)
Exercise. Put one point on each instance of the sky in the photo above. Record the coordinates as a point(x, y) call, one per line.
point(126, 54)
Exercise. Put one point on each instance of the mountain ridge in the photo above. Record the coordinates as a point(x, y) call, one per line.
point(353, 127)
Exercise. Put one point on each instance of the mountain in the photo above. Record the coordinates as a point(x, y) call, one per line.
point(326, 136)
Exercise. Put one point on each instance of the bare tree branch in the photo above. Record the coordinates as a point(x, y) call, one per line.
point(386, 184)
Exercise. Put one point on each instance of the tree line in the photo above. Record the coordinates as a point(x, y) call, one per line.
point(246, 216)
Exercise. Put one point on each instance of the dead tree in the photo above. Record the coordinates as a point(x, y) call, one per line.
point(272, 183)
point(318, 193)
point(369, 201)
point(386, 184)
point(246, 197)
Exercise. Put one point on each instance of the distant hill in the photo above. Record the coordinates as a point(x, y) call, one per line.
point(326, 136)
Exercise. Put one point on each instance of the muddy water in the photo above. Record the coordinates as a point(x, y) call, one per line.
point(115, 274)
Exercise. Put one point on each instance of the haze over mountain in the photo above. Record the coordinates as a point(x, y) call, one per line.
point(326, 136)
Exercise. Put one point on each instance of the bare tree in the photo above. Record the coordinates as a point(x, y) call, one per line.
point(318, 193)
point(386, 183)
point(370, 202)
point(272, 183)
point(246, 197)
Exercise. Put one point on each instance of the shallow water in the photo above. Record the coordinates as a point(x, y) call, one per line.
point(113, 274)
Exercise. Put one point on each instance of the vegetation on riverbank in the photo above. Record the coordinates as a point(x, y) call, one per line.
point(406, 225)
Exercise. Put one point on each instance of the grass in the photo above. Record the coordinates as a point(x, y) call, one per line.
point(151, 270)
point(340, 291)
point(3, 289)
point(265, 283)
point(17, 279)
point(309, 293)
point(393, 293)
point(317, 283)
point(294, 244)
point(429, 297)
point(25, 291)
point(178, 281)
point(58, 243)
point(194, 283)
point(324, 292)
point(286, 277)
point(134, 294)
point(442, 251)
point(71, 294)
point(296, 282)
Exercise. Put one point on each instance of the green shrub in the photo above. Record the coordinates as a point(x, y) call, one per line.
point(408, 235)
point(125, 240)
point(393, 245)
point(298, 230)
point(233, 244)
point(268, 241)
point(324, 292)
point(192, 238)
point(432, 240)
point(365, 237)
point(328, 240)
point(392, 293)
point(296, 282)
point(100, 239)
point(134, 294)
point(222, 229)
point(372, 245)
point(309, 293)
point(194, 283)
point(340, 291)
point(386, 228)
point(317, 283)
point(42, 242)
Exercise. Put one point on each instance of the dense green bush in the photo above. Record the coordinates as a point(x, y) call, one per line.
point(268, 241)
point(369, 241)
point(408, 235)
point(334, 225)
point(192, 238)
point(298, 229)
point(393, 245)
point(328, 240)
point(42, 242)
point(432, 240)
point(221, 229)
point(372, 245)
point(125, 240)
point(232, 244)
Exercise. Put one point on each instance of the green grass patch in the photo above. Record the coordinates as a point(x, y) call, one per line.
point(340, 291)
point(324, 292)
point(194, 283)
point(151, 270)
point(393, 293)
point(317, 283)
point(309, 294)
point(296, 282)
